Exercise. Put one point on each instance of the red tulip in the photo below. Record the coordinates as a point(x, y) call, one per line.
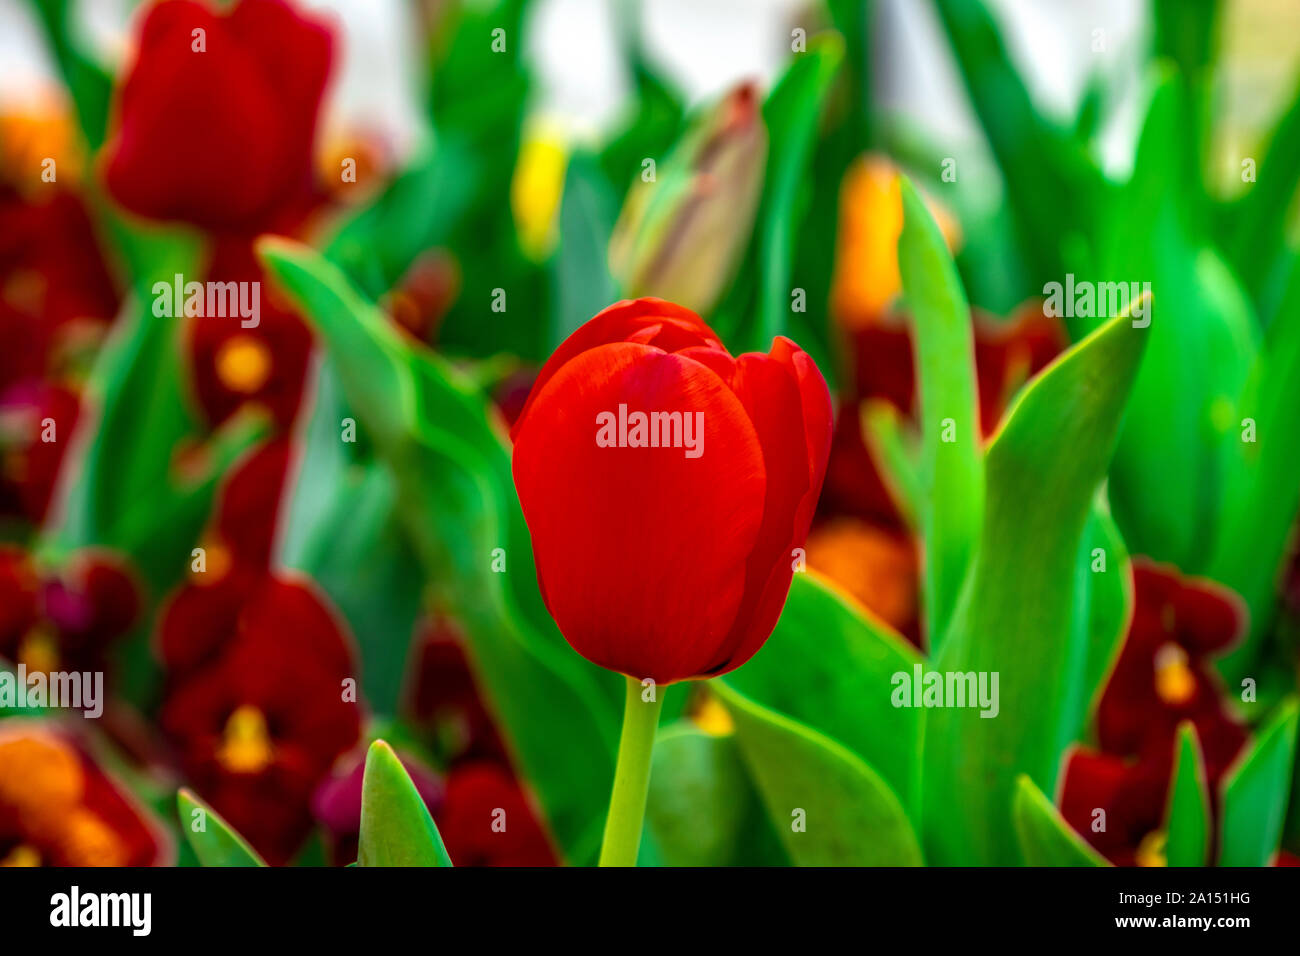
point(665, 552)
point(216, 128)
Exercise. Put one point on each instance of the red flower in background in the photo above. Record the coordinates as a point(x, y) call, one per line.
point(445, 698)
point(63, 621)
point(263, 720)
point(1162, 678)
point(202, 614)
point(1163, 675)
point(486, 820)
point(56, 301)
point(234, 365)
point(1131, 792)
point(37, 421)
point(445, 702)
point(652, 562)
point(55, 289)
point(221, 137)
point(57, 808)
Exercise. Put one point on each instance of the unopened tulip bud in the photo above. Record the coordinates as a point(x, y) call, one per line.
point(681, 236)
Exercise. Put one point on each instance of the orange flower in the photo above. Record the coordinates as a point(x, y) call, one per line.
point(866, 279)
point(58, 809)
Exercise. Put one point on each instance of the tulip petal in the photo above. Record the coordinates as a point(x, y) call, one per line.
point(637, 543)
point(790, 406)
point(677, 329)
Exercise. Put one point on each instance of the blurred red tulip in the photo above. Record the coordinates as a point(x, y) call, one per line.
point(668, 556)
point(216, 120)
point(485, 820)
point(445, 698)
point(37, 420)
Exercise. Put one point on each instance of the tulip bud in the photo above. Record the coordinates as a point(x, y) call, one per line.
point(681, 236)
point(665, 484)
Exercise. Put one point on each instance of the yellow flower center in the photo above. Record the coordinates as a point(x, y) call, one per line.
point(22, 855)
point(1175, 682)
point(1151, 851)
point(712, 718)
point(39, 652)
point(243, 364)
point(246, 746)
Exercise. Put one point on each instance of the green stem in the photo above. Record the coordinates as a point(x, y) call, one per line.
point(631, 777)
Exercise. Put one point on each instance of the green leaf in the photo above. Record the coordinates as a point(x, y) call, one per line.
point(1188, 821)
point(396, 828)
point(1045, 838)
point(414, 213)
point(90, 85)
point(1017, 616)
point(340, 526)
point(1255, 795)
point(1261, 491)
point(583, 285)
point(1257, 223)
point(951, 472)
point(1103, 602)
point(891, 449)
point(655, 121)
point(1203, 339)
point(702, 806)
point(843, 690)
point(791, 114)
point(1053, 189)
point(456, 497)
point(828, 806)
point(216, 844)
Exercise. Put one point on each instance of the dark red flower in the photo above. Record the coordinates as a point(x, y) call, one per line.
point(57, 808)
point(37, 421)
point(263, 721)
point(445, 697)
point(669, 562)
point(511, 394)
point(202, 615)
point(1163, 676)
point(249, 504)
point(221, 137)
point(1130, 792)
point(424, 294)
point(336, 805)
point(233, 365)
point(486, 820)
point(53, 278)
point(65, 620)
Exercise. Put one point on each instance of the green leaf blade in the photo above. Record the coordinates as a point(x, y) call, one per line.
point(396, 827)
point(216, 843)
point(828, 806)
